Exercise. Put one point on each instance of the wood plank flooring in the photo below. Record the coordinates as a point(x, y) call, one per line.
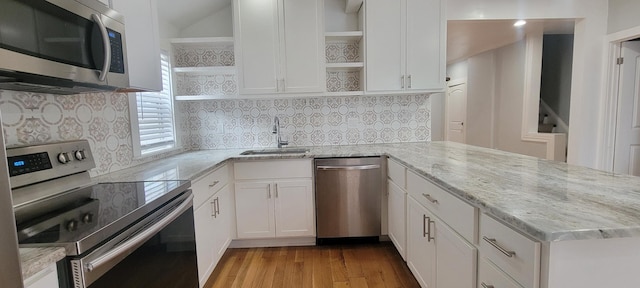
point(332, 266)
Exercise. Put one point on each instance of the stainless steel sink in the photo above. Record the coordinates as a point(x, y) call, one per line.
point(275, 151)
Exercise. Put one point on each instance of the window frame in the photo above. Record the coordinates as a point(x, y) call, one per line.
point(135, 123)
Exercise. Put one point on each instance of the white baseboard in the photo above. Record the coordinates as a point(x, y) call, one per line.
point(273, 242)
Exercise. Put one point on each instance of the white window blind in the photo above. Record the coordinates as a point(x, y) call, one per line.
point(155, 114)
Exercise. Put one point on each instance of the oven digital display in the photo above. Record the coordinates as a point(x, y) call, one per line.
point(30, 163)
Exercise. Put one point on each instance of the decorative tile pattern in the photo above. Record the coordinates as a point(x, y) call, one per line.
point(343, 81)
point(100, 118)
point(202, 84)
point(203, 56)
point(342, 51)
point(220, 124)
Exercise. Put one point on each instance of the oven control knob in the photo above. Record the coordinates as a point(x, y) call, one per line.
point(80, 155)
point(87, 218)
point(64, 158)
point(72, 225)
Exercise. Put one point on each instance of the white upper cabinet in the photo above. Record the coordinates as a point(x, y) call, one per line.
point(405, 45)
point(279, 46)
point(142, 40)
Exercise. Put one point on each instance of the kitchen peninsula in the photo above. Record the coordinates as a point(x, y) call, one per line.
point(587, 222)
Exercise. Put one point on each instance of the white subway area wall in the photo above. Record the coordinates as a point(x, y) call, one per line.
point(327, 120)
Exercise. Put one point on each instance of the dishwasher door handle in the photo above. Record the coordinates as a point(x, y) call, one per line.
point(348, 167)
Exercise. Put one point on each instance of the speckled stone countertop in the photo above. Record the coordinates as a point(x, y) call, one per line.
point(548, 200)
point(35, 260)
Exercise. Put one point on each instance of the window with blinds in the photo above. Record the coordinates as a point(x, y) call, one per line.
point(155, 114)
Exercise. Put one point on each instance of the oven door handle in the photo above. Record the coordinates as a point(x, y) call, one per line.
point(139, 239)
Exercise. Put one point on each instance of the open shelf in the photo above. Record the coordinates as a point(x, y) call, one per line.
point(206, 70)
point(203, 40)
point(346, 66)
point(344, 36)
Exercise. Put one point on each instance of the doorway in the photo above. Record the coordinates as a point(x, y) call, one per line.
point(456, 115)
point(626, 158)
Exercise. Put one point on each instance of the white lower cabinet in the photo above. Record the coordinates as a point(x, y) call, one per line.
point(490, 276)
point(421, 247)
point(437, 255)
point(455, 258)
point(397, 206)
point(213, 220)
point(274, 209)
point(47, 278)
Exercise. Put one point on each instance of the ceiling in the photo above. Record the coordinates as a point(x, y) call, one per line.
point(472, 37)
point(184, 13)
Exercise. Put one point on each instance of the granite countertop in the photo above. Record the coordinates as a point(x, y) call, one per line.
point(548, 200)
point(35, 260)
point(551, 201)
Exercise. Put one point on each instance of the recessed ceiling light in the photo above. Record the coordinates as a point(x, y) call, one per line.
point(519, 23)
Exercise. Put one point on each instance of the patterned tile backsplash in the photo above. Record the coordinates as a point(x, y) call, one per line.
point(341, 81)
point(203, 56)
point(342, 51)
point(216, 124)
point(100, 118)
point(103, 119)
point(203, 84)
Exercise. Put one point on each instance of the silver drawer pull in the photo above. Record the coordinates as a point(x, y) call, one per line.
point(495, 244)
point(214, 183)
point(486, 286)
point(431, 199)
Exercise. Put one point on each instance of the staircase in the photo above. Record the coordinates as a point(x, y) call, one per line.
point(544, 125)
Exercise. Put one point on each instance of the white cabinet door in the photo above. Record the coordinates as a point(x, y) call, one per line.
point(279, 45)
point(303, 46)
point(254, 210)
point(257, 45)
point(47, 278)
point(223, 201)
point(142, 40)
point(397, 217)
point(294, 208)
point(405, 45)
point(456, 259)
point(425, 49)
point(205, 239)
point(384, 45)
point(421, 248)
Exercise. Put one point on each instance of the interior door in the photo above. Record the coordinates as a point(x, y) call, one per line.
point(456, 112)
point(627, 142)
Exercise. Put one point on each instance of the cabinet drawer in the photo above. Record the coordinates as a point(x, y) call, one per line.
point(514, 253)
point(397, 173)
point(205, 186)
point(492, 277)
point(255, 170)
point(459, 215)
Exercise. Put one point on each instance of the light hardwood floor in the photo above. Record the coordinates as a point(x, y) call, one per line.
point(358, 265)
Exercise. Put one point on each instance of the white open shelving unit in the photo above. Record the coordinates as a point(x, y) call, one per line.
point(203, 68)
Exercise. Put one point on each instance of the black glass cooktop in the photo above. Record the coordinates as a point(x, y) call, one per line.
point(93, 214)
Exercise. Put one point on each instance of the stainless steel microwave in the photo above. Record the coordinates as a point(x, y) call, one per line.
point(61, 46)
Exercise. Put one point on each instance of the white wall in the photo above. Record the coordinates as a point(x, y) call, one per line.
point(334, 10)
point(219, 24)
point(588, 69)
point(509, 87)
point(480, 101)
point(623, 14)
point(166, 31)
point(437, 116)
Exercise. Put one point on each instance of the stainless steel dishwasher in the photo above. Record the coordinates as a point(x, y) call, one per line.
point(348, 196)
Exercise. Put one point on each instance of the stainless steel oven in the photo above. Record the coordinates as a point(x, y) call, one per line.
point(117, 234)
point(61, 46)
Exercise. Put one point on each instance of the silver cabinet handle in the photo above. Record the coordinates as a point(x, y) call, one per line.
point(486, 286)
point(276, 190)
point(269, 192)
point(214, 183)
point(424, 226)
point(429, 237)
point(409, 81)
point(494, 243)
point(348, 167)
point(431, 199)
point(402, 82)
point(213, 208)
point(217, 201)
point(107, 47)
point(139, 239)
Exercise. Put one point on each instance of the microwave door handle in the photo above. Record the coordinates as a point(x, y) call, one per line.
point(107, 46)
point(141, 238)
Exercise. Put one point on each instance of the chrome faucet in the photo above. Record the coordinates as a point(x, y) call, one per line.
point(276, 130)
